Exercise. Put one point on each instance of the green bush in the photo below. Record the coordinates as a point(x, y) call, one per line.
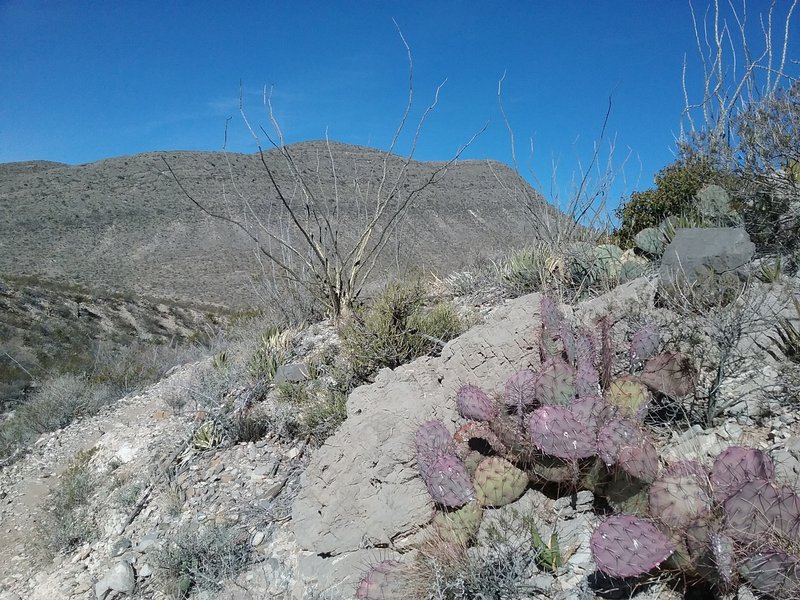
point(397, 328)
point(310, 410)
point(676, 187)
point(530, 269)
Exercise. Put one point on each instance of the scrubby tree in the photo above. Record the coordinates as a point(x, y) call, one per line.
point(742, 131)
point(309, 247)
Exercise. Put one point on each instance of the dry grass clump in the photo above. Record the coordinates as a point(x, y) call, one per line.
point(400, 325)
point(201, 559)
point(67, 517)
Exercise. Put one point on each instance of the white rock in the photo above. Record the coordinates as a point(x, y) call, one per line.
point(119, 579)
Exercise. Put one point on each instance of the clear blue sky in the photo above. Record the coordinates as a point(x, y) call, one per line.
point(81, 81)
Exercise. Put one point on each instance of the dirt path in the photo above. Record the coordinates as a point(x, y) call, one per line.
point(121, 431)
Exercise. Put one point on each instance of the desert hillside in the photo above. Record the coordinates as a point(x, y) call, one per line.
point(123, 223)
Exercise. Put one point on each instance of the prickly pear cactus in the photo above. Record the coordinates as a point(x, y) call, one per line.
point(557, 432)
point(498, 482)
point(626, 546)
point(584, 349)
point(459, 526)
point(631, 270)
point(520, 390)
point(737, 465)
point(448, 482)
point(473, 403)
point(431, 440)
point(651, 240)
point(774, 573)
point(640, 461)
point(615, 434)
point(677, 500)
point(555, 383)
point(644, 344)
point(669, 373)
point(386, 580)
point(587, 381)
point(551, 316)
point(761, 510)
point(629, 396)
point(476, 435)
point(714, 206)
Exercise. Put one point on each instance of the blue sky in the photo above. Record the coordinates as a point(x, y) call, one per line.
point(83, 81)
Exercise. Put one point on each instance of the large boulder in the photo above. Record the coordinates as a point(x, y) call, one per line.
point(695, 251)
point(362, 491)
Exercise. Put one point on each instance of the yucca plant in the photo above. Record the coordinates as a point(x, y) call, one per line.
point(770, 272)
point(788, 336)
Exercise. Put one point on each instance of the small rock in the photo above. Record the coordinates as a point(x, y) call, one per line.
point(147, 541)
point(145, 571)
point(119, 579)
point(257, 538)
point(292, 373)
point(274, 489)
point(120, 547)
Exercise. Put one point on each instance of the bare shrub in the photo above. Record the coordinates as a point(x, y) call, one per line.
point(201, 559)
point(303, 241)
point(746, 120)
point(57, 403)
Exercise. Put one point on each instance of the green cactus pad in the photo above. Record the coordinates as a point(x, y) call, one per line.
point(498, 482)
point(651, 240)
point(626, 494)
point(459, 526)
point(555, 383)
point(677, 500)
point(630, 397)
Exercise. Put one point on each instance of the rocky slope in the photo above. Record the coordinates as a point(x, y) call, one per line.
point(310, 522)
point(49, 327)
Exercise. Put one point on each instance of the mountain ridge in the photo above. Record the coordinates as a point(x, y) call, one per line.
point(124, 223)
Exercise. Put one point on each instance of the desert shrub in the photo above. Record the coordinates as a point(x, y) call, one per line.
point(761, 149)
point(68, 520)
point(530, 269)
point(273, 351)
point(201, 559)
point(309, 410)
point(674, 194)
point(139, 364)
point(397, 328)
point(322, 417)
point(57, 403)
point(249, 426)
